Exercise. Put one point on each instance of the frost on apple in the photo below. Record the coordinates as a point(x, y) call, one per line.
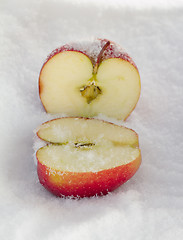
point(84, 157)
point(90, 78)
point(92, 49)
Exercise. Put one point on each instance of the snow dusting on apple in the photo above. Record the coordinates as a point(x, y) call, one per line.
point(90, 157)
point(90, 78)
point(81, 156)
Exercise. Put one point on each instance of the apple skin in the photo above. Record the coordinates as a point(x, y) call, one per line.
point(85, 184)
point(110, 52)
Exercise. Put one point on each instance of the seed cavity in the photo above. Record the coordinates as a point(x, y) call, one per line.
point(84, 145)
point(90, 92)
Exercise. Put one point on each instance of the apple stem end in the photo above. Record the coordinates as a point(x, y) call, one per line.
point(95, 69)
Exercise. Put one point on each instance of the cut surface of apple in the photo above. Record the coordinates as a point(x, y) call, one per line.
point(86, 157)
point(86, 130)
point(71, 82)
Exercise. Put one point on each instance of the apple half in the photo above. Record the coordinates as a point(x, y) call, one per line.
point(86, 157)
point(90, 79)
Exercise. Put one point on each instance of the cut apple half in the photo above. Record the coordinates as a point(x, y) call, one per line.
point(71, 83)
point(86, 157)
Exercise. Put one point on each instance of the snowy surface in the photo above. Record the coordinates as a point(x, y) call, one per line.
point(150, 205)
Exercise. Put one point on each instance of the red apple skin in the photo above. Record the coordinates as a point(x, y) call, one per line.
point(110, 52)
point(85, 184)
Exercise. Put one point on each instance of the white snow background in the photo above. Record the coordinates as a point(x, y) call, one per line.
point(150, 205)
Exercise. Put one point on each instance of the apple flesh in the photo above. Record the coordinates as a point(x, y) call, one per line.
point(86, 157)
point(79, 82)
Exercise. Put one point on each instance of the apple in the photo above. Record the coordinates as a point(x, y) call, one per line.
point(90, 78)
point(85, 157)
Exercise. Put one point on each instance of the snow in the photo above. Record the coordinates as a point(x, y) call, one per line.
point(150, 205)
